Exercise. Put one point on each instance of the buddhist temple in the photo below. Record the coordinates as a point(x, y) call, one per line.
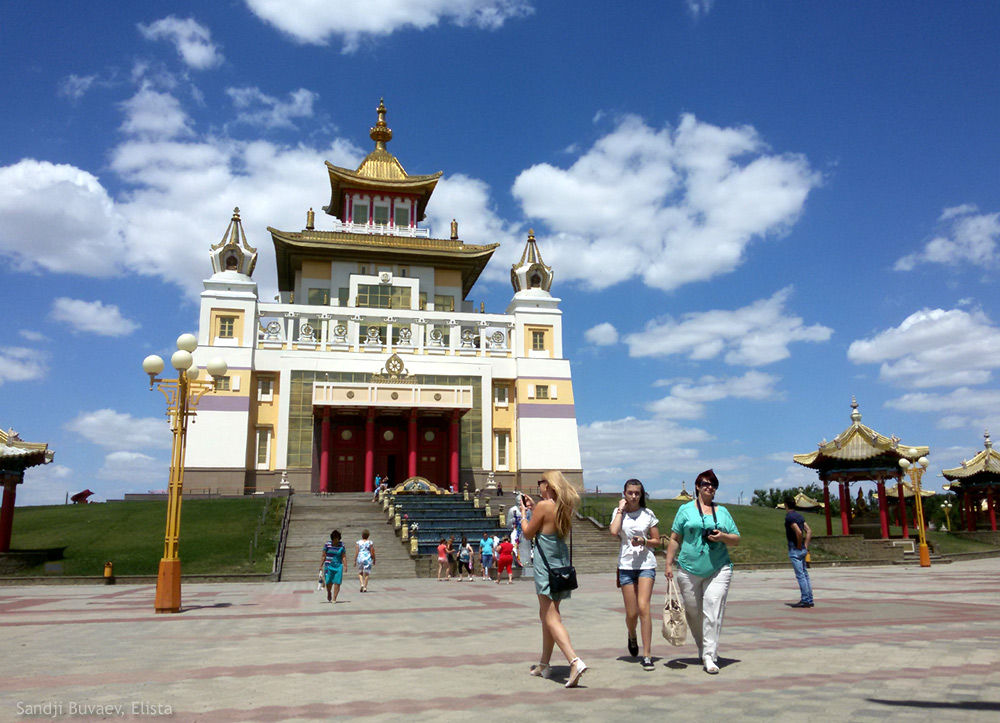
point(859, 453)
point(16, 456)
point(373, 360)
point(975, 482)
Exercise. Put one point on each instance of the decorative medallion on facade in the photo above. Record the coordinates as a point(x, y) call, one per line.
point(395, 372)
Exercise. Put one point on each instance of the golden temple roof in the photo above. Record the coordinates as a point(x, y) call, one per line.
point(17, 455)
point(379, 171)
point(858, 443)
point(986, 463)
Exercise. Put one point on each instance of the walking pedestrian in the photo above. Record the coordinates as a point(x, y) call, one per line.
point(333, 566)
point(443, 559)
point(548, 525)
point(465, 558)
point(699, 542)
point(505, 559)
point(364, 556)
point(636, 528)
point(798, 534)
point(486, 554)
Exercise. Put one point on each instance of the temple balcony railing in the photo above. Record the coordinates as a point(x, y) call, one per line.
point(385, 229)
point(299, 327)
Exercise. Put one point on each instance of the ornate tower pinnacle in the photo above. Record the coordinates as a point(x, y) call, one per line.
point(380, 132)
point(233, 253)
point(531, 272)
point(855, 414)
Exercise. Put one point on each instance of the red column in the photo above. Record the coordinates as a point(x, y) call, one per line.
point(411, 457)
point(902, 509)
point(7, 514)
point(453, 454)
point(993, 510)
point(845, 509)
point(370, 451)
point(324, 451)
point(883, 509)
point(826, 507)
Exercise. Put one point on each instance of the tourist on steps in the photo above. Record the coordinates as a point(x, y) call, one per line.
point(364, 555)
point(635, 526)
point(548, 526)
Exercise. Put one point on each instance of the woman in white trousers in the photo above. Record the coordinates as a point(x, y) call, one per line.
point(700, 539)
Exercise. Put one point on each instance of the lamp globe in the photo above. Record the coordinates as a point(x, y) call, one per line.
point(905, 463)
point(192, 373)
point(217, 367)
point(152, 365)
point(187, 342)
point(181, 359)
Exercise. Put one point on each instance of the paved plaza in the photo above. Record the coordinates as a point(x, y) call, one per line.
point(882, 643)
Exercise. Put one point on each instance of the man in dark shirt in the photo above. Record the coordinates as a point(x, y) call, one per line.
point(798, 534)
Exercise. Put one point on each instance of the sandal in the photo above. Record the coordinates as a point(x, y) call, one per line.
point(542, 670)
point(576, 669)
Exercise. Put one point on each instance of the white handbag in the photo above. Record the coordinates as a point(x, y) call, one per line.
point(674, 623)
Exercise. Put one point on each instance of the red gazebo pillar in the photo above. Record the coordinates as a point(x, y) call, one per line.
point(902, 509)
point(411, 456)
point(324, 451)
point(883, 509)
point(453, 443)
point(7, 512)
point(993, 509)
point(370, 451)
point(845, 511)
point(826, 507)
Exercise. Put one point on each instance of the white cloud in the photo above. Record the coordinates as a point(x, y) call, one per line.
point(141, 470)
point(18, 364)
point(965, 237)
point(30, 335)
point(615, 450)
point(688, 400)
point(153, 115)
point(46, 484)
point(316, 21)
point(92, 317)
point(120, 431)
point(58, 218)
point(962, 408)
point(753, 335)
point(933, 347)
point(669, 206)
point(795, 476)
point(192, 40)
point(258, 109)
point(604, 334)
point(699, 8)
point(76, 86)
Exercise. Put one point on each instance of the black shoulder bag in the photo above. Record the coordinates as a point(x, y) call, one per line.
point(561, 579)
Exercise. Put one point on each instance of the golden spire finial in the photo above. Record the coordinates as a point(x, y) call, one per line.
point(380, 132)
point(236, 213)
point(855, 414)
point(531, 234)
point(986, 439)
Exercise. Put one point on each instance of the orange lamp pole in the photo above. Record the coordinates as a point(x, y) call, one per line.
point(916, 468)
point(182, 395)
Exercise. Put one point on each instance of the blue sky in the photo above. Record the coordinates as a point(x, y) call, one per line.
point(754, 210)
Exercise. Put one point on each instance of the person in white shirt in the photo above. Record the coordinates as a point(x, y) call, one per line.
point(636, 528)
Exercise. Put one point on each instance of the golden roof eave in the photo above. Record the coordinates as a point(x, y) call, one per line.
point(858, 443)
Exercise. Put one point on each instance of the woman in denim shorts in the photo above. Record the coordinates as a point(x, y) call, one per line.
point(636, 528)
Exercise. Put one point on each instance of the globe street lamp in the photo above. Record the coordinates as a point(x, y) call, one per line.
point(946, 506)
point(916, 469)
point(183, 395)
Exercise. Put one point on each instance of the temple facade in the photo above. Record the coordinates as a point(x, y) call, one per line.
point(372, 360)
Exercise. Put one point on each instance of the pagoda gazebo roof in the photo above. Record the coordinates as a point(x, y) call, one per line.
point(17, 455)
point(983, 469)
point(858, 452)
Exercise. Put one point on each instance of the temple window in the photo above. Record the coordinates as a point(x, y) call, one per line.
point(541, 391)
point(359, 213)
point(263, 447)
point(318, 297)
point(265, 390)
point(221, 384)
point(402, 216)
point(503, 445)
point(444, 302)
point(227, 327)
point(379, 296)
point(538, 341)
point(343, 296)
point(500, 395)
point(381, 214)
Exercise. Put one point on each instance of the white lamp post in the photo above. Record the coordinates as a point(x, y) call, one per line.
point(183, 395)
point(916, 468)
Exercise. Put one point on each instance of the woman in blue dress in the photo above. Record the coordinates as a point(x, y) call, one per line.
point(333, 565)
point(548, 525)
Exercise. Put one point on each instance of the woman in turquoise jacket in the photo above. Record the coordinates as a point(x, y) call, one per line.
point(700, 539)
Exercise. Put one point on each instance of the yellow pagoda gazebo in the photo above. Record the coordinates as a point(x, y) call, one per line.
point(857, 454)
point(975, 480)
point(15, 457)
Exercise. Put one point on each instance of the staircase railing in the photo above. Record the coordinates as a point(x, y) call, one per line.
point(279, 558)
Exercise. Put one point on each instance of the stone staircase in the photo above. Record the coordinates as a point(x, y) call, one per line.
point(313, 517)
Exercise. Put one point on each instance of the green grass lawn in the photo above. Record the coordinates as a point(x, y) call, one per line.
point(215, 535)
point(762, 530)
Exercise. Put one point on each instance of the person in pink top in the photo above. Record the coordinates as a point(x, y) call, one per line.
point(443, 559)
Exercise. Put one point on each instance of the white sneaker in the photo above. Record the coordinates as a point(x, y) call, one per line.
point(710, 667)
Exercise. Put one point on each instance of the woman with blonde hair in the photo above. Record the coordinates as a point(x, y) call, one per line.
point(551, 521)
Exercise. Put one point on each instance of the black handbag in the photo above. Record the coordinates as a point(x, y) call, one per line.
point(561, 579)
